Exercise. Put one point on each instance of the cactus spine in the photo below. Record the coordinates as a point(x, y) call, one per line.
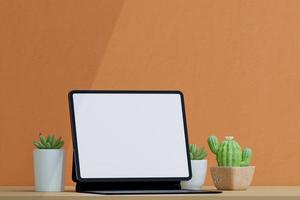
point(229, 152)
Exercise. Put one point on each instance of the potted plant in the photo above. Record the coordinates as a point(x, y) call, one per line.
point(49, 162)
point(199, 168)
point(233, 171)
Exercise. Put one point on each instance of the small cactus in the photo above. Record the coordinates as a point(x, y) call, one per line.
point(197, 153)
point(229, 152)
point(48, 143)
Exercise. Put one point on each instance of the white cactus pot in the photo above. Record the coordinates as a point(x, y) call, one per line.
point(49, 167)
point(199, 169)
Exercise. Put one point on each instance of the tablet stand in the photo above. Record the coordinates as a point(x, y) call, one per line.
point(140, 185)
point(119, 186)
point(131, 187)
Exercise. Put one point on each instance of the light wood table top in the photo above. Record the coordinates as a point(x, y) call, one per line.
point(255, 192)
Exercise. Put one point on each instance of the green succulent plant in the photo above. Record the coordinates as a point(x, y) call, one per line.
point(229, 153)
point(197, 153)
point(49, 142)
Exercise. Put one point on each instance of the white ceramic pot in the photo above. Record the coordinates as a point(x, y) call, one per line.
point(49, 167)
point(199, 168)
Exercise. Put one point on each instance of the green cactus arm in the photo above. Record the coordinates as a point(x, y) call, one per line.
point(246, 157)
point(213, 144)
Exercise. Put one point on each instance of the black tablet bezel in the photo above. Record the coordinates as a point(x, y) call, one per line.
point(142, 179)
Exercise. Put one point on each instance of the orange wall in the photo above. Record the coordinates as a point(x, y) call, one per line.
point(237, 61)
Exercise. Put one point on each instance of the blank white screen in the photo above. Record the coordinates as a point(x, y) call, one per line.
point(130, 135)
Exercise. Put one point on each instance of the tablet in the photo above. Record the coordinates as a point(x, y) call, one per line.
point(129, 135)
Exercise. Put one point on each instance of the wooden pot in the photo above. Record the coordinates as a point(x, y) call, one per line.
point(232, 178)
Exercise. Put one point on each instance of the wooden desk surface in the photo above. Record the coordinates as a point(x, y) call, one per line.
point(255, 192)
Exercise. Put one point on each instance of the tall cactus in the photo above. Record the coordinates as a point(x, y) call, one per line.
point(229, 152)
